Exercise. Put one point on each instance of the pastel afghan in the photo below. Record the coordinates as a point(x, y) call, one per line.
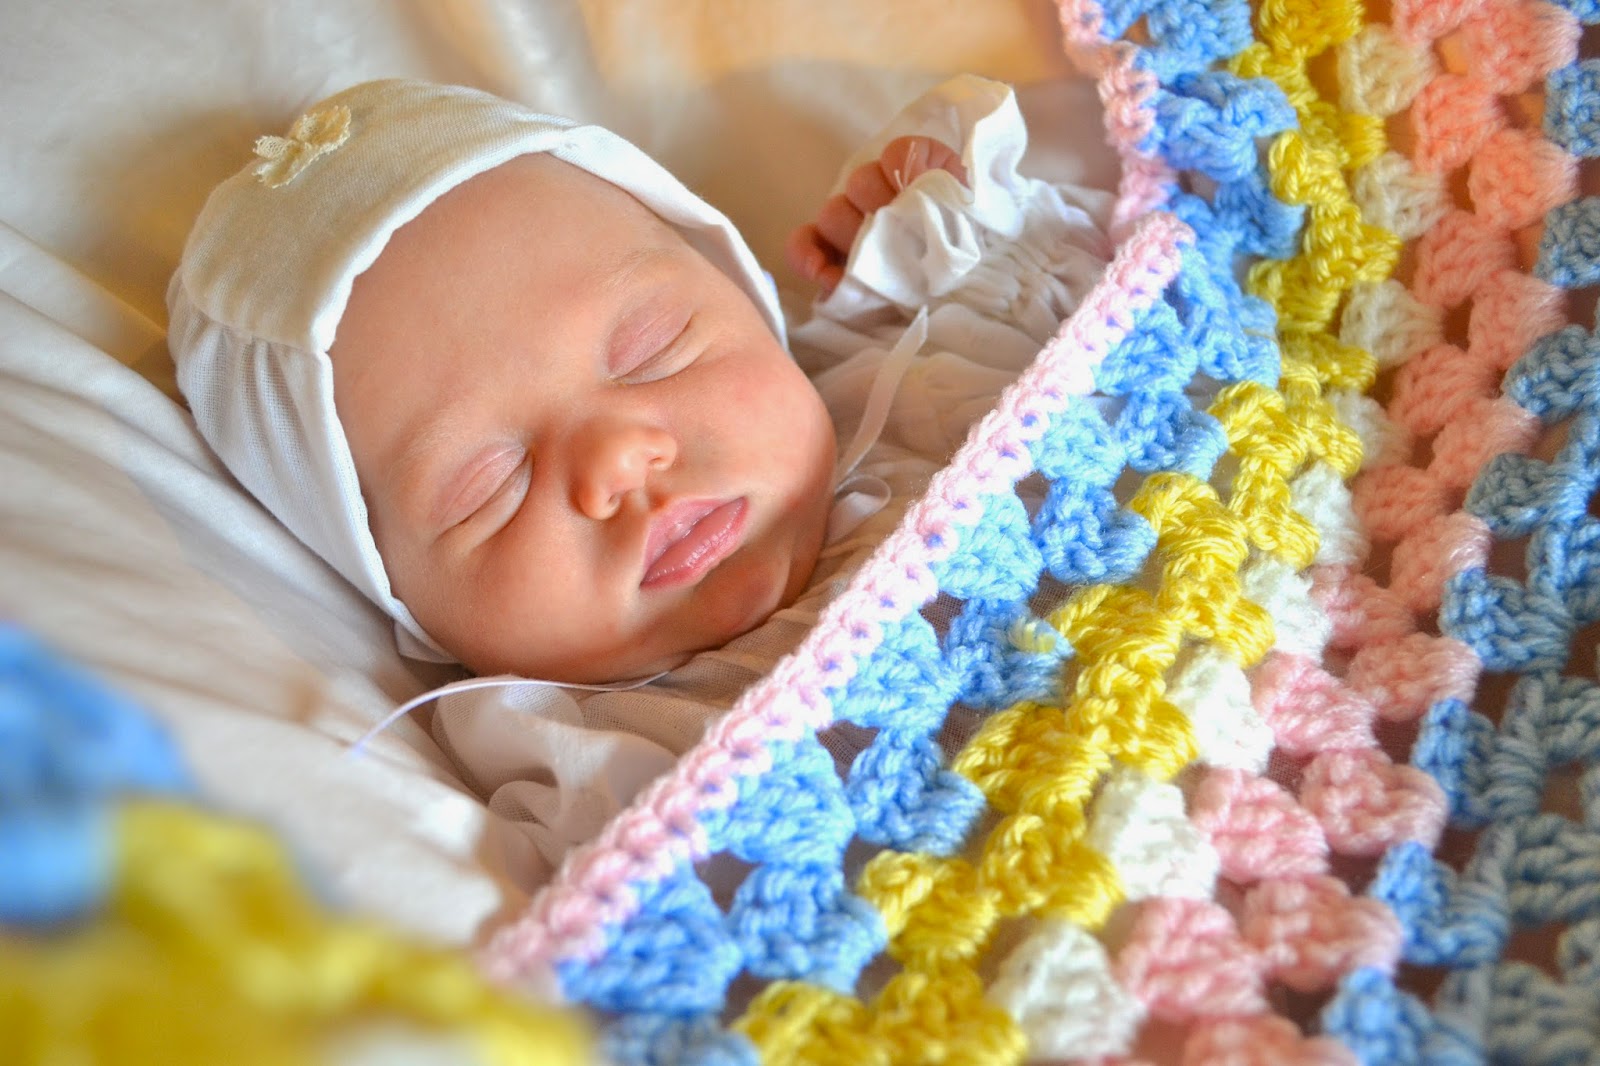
point(1231, 706)
point(1290, 719)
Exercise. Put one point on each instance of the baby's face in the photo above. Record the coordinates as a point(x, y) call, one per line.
point(584, 454)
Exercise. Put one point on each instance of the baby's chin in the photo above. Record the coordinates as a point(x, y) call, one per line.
point(719, 619)
point(629, 661)
point(744, 595)
point(615, 671)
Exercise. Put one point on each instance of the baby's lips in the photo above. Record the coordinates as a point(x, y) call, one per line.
point(670, 523)
point(691, 538)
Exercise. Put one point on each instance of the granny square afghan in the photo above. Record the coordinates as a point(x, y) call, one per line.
point(1284, 671)
point(1240, 662)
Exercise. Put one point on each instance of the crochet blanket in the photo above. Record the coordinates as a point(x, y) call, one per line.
point(1276, 695)
point(1288, 701)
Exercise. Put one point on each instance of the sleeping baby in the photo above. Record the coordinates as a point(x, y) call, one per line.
point(536, 400)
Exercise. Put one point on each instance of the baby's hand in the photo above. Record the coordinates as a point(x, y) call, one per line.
point(817, 251)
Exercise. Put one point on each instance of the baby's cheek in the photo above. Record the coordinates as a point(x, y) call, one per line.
point(750, 586)
point(752, 407)
point(760, 385)
point(800, 407)
point(770, 426)
point(816, 429)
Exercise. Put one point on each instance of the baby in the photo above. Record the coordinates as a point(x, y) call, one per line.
point(535, 399)
point(583, 452)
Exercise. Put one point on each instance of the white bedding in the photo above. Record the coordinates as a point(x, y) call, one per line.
point(123, 542)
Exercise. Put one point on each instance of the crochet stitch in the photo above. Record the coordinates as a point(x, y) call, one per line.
point(1288, 712)
point(137, 927)
point(1194, 789)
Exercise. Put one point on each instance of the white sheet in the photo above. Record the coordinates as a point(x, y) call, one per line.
point(124, 543)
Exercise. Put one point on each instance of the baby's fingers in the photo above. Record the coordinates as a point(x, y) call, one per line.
point(819, 250)
point(813, 258)
point(905, 159)
point(868, 187)
point(873, 185)
point(838, 222)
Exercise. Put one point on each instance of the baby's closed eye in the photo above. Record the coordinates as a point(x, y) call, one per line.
point(651, 349)
point(490, 487)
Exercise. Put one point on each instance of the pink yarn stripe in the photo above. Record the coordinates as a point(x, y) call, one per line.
point(595, 888)
point(1188, 960)
point(1346, 796)
point(1125, 93)
point(1443, 396)
point(1264, 1040)
point(1192, 963)
point(1335, 793)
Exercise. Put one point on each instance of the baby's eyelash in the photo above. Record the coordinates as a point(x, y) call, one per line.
point(639, 373)
point(523, 471)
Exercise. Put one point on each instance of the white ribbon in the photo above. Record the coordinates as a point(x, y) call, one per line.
point(470, 683)
point(857, 498)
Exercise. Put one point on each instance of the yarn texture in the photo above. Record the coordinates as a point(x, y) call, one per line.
point(1285, 677)
point(138, 927)
point(1230, 671)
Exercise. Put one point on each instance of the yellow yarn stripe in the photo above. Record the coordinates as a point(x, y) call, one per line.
point(1308, 166)
point(209, 951)
point(1039, 765)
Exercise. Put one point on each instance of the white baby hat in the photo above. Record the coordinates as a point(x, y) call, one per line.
point(267, 270)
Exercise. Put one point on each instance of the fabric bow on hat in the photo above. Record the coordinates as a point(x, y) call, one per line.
point(313, 134)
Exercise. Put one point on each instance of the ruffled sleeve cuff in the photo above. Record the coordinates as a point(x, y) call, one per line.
point(1007, 246)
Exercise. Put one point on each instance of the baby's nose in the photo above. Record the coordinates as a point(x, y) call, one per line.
point(612, 461)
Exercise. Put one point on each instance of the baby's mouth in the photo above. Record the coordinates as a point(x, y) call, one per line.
point(689, 538)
